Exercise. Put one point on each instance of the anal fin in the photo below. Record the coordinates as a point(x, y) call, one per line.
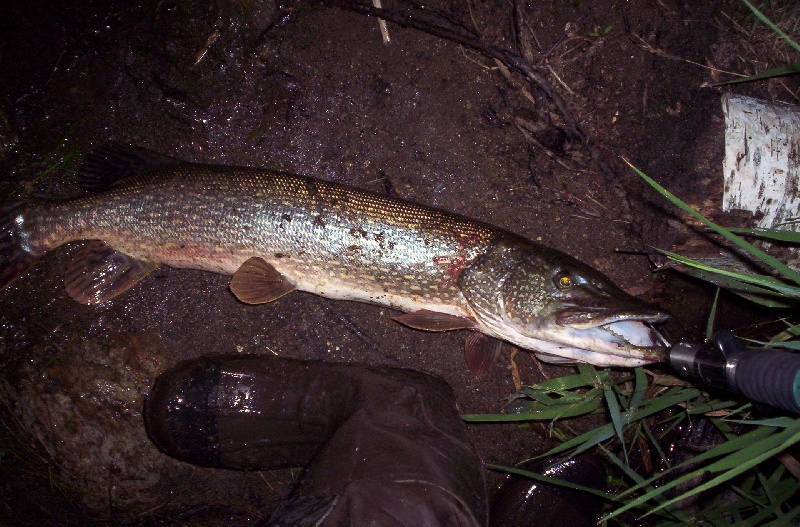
point(97, 272)
point(427, 320)
point(258, 282)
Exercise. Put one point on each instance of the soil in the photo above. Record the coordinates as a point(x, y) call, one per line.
point(313, 89)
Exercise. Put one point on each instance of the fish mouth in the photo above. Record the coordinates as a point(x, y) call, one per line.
point(602, 338)
point(622, 334)
point(629, 343)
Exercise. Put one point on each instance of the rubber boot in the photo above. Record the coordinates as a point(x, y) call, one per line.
point(524, 502)
point(382, 446)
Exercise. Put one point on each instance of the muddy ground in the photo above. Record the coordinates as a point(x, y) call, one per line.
point(313, 89)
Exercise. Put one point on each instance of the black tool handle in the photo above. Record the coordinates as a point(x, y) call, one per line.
point(769, 377)
point(762, 375)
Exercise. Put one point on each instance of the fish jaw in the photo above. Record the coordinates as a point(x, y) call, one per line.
point(626, 343)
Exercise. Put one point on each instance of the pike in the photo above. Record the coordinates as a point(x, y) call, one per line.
point(275, 232)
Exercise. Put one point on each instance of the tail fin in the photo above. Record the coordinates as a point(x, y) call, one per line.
point(14, 258)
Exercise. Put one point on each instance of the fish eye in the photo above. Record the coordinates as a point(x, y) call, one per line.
point(564, 280)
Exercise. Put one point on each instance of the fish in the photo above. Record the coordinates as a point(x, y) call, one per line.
point(276, 232)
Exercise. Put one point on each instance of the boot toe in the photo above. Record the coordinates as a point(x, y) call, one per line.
point(180, 413)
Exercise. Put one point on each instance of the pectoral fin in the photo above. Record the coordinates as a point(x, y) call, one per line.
point(97, 273)
point(258, 282)
point(481, 352)
point(434, 321)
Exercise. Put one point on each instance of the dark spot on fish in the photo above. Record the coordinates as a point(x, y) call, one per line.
point(281, 255)
point(358, 232)
point(354, 248)
point(391, 246)
point(318, 222)
point(183, 246)
point(286, 217)
point(380, 238)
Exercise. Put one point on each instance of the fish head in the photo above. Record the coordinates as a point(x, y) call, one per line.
point(549, 302)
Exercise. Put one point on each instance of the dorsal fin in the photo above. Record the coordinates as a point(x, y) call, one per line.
point(109, 164)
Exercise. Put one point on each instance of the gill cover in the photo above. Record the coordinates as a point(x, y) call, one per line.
point(512, 284)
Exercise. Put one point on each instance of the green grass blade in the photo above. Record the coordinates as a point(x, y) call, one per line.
point(654, 443)
point(551, 414)
point(775, 422)
point(636, 478)
point(639, 387)
point(712, 316)
point(614, 413)
point(786, 520)
point(552, 481)
point(771, 261)
point(562, 384)
point(791, 331)
point(711, 405)
point(741, 464)
point(732, 446)
point(754, 293)
point(793, 345)
point(774, 72)
point(772, 26)
point(770, 234)
point(764, 281)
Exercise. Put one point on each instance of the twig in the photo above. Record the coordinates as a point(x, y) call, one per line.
point(523, 32)
point(512, 366)
point(512, 60)
point(561, 82)
point(202, 52)
point(382, 24)
point(507, 74)
point(444, 15)
point(661, 53)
